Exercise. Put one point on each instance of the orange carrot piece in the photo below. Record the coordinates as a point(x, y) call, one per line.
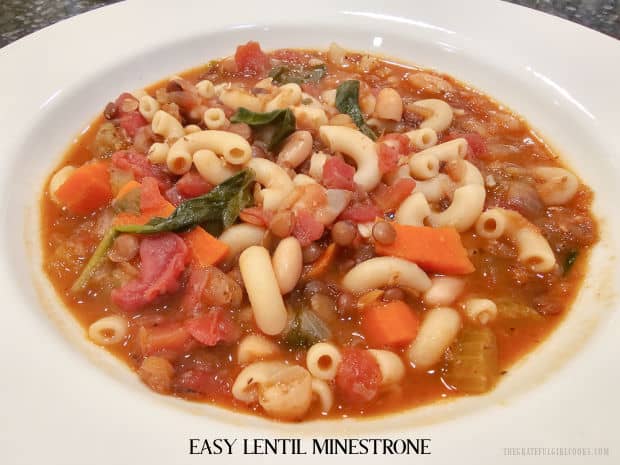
point(434, 249)
point(322, 264)
point(390, 324)
point(87, 189)
point(126, 189)
point(205, 249)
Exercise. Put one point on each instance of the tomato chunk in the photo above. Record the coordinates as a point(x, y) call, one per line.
point(306, 228)
point(358, 377)
point(250, 59)
point(361, 212)
point(389, 198)
point(337, 174)
point(131, 122)
point(213, 328)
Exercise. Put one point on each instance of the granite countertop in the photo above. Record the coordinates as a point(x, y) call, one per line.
point(21, 17)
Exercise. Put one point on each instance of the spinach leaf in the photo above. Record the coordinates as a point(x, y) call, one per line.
point(283, 120)
point(306, 329)
point(571, 258)
point(214, 211)
point(347, 96)
point(286, 75)
point(219, 208)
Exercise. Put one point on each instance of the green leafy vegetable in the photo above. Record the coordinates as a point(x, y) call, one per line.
point(286, 75)
point(214, 211)
point(97, 257)
point(306, 329)
point(347, 97)
point(219, 208)
point(571, 258)
point(283, 121)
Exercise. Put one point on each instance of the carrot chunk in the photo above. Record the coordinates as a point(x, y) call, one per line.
point(205, 249)
point(390, 324)
point(87, 189)
point(434, 249)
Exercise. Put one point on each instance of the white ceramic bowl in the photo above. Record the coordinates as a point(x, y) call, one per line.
point(64, 400)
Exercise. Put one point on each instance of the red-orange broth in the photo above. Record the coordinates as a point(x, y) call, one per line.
point(500, 145)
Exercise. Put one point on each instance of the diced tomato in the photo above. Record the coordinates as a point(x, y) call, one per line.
point(213, 328)
point(391, 148)
point(250, 59)
point(118, 103)
point(162, 259)
point(401, 142)
point(192, 185)
point(337, 174)
point(168, 337)
point(139, 165)
point(196, 283)
point(307, 229)
point(388, 158)
point(388, 198)
point(254, 215)
point(131, 122)
point(173, 196)
point(361, 212)
point(358, 377)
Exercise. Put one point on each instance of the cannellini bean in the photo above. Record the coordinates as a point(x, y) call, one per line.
point(389, 105)
point(296, 150)
point(287, 264)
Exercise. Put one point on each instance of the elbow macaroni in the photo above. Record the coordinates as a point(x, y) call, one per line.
point(422, 139)
point(276, 181)
point(437, 331)
point(108, 330)
point(255, 347)
point(360, 148)
point(532, 247)
point(413, 211)
point(385, 271)
point(147, 107)
point(466, 207)
point(212, 168)
point(263, 290)
point(443, 291)
point(441, 117)
point(556, 186)
point(323, 360)
point(480, 310)
point(391, 366)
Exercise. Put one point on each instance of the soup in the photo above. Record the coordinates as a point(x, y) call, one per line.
point(304, 234)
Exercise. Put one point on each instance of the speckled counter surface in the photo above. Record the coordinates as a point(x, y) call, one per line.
point(21, 17)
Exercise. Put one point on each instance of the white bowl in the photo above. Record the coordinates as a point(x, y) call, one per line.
point(65, 400)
